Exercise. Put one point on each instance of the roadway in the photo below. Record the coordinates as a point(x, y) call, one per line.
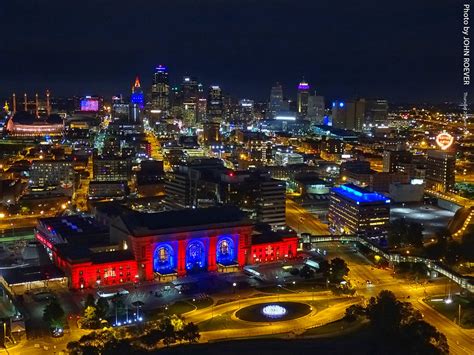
point(303, 221)
point(460, 340)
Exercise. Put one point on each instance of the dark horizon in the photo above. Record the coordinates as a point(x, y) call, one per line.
point(405, 52)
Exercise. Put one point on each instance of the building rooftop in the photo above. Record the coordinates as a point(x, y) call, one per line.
point(141, 224)
point(359, 195)
point(31, 274)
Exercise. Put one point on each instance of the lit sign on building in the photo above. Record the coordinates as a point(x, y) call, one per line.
point(444, 140)
point(89, 104)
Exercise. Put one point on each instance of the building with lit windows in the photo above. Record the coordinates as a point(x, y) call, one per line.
point(215, 104)
point(348, 114)
point(160, 89)
point(302, 99)
point(440, 170)
point(356, 211)
point(51, 173)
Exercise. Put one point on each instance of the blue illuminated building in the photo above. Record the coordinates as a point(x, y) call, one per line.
point(356, 211)
point(137, 97)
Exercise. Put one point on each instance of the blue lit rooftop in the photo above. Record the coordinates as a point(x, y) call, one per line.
point(359, 195)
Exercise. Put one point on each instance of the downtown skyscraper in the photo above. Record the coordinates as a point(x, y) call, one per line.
point(160, 89)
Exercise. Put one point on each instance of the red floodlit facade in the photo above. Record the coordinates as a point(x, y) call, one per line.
point(273, 251)
point(163, 253)
point(88, 273)
point(180, 252)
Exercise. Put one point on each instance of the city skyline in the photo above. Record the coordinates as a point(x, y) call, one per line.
point(394, 54)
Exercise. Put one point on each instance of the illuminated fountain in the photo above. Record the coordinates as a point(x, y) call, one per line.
point(274, 311)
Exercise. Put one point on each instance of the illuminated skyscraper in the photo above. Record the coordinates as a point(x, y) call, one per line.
point(302, 99)
point(316, 109)
point(276, 100)
point(137, 96)
point(160, 89)
point(215, 104)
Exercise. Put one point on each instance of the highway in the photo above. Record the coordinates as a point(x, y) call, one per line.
point(303, 221)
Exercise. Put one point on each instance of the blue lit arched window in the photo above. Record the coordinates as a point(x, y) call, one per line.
point(195, 255)
point(164, 260)
point(225, 251)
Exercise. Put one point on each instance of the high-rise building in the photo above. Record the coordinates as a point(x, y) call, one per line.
point(302, 99)
point(357, 211)
point(160, 89)
point(246, 110)
point(137, 102)
point(137, 97)
point(396, 160)
point(440, 170)
point(316, 109)
point(276, 101)
point(348, 114)
point(376, 111)
point(215, 104)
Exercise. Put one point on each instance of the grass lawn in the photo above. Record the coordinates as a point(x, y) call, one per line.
point(221, 321)
point(337, 328)
point(451, 311)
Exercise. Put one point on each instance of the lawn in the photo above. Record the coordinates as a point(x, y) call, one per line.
point(221, 321)
point(337, 328)
point(451, 310)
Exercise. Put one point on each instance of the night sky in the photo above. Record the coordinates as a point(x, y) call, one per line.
point(406, 50)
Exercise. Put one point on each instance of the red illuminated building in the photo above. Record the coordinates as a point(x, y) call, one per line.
point(159, 246)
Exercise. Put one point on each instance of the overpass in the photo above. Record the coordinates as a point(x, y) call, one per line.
point(395, 258)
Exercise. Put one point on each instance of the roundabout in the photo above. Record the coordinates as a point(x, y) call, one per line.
point(273, 312)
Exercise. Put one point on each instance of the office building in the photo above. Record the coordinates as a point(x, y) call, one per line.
point(302, 99)
point(440, 170)
point(357, 211)
point(316, 109)
point(160, 89)
point(376, 112)
point(276, 104)
point(52, 173)
point(349, 114)
point(111, 169)
point(396, 160)
point(215, 105)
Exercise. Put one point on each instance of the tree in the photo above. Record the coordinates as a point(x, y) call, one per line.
point(414, 235)
point(167, 330)
point(353, 312)
point(400, 328)
point(89, 301)
point(53, 314)
point(90, 319)
point(102, 306)
point(338, 270)
point(422, 338)
point(306, 272)
point(396, 232)
point(190, 332)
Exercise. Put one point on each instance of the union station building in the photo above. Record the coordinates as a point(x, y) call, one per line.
point(135, 246)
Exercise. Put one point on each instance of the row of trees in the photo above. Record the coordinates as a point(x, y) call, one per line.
point(94, 312)
point(137, 339)
point(398, 327)
point(54, 315)
point(402, 233)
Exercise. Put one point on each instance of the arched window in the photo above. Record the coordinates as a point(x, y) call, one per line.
point(195, 255)
point(225, 251)
point(164, 259)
